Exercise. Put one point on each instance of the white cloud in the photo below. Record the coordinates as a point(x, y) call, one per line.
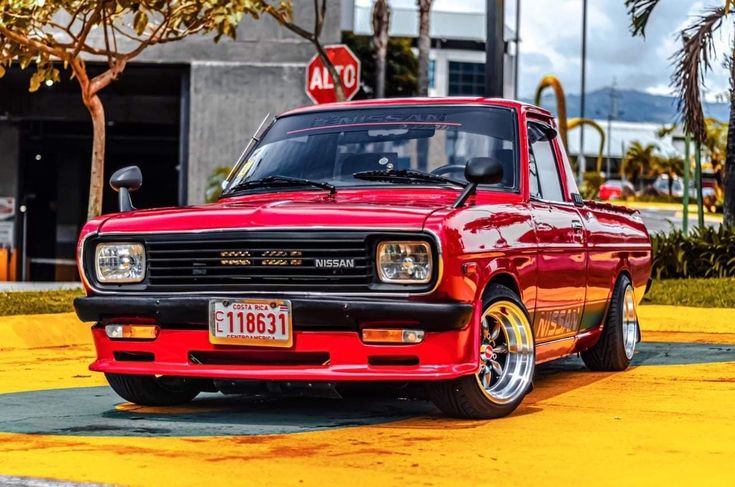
point(551, 32)
point(551, 42)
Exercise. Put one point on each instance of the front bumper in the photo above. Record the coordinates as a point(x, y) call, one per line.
point(327, 343)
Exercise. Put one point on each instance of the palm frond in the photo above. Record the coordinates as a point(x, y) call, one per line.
point(691, 63)
point(640, 12)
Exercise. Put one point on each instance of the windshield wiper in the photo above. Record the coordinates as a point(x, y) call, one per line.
point(276, 181)
point(406, 176)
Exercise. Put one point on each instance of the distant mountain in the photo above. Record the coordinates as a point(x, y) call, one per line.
point(633, 106)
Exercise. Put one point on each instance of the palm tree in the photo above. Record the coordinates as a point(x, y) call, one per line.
point(691, 64)
point(424, 44)
point(638, 161)
point(381, 23)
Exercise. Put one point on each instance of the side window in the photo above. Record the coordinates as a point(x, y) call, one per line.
point(544, 170)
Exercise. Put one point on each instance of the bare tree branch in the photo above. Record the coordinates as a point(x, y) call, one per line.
point(82, 38)
point(30, 42)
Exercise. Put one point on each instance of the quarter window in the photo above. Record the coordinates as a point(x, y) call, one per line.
point(544, 169)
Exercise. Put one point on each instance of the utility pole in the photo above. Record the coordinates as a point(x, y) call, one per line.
point(580, 160)
point(685, 197)
point(612, 115)
point(516, 66)
point(494, 47)
point(698, 182)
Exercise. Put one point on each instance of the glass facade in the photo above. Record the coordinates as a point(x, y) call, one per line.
point(466, 78)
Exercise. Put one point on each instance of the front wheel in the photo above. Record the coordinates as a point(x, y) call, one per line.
point(507, 361)
point(149, 390)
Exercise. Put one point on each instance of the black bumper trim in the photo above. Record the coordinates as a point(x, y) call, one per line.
point(308, 314)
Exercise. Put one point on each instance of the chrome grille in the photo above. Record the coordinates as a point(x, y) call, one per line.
point(259, 261)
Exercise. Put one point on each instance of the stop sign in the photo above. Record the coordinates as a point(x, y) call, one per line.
point(319, 85)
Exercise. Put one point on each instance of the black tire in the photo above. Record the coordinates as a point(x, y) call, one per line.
point(465, 397)
point(608, 354)
point(149, 390)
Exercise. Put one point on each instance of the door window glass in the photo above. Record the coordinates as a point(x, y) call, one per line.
point(543, 167)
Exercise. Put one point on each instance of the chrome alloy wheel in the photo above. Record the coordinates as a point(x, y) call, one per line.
point(630, 322)
point(506, 352)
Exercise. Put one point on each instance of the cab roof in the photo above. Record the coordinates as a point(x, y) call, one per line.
point(393, 102)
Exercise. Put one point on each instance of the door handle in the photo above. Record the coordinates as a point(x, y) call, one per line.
point(577, 225)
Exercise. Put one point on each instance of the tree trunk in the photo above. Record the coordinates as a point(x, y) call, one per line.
point(729, 207)
point(339, 89)
point(97, 174)
point(424, 44)
point(381, 23)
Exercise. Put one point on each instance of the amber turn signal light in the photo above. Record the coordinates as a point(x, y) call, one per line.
point(131, 332)
point(372, 335)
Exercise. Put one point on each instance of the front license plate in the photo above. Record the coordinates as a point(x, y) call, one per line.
point(253, 322)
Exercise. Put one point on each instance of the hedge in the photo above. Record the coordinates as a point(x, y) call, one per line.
point(37, 302)
point(705, 252)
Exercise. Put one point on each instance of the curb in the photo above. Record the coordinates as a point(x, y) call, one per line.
point(42, 331)
point(686, 319)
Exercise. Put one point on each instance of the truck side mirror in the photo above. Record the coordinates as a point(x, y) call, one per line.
point(124, 181)
point(480, 170)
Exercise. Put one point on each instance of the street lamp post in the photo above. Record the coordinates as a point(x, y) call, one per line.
point(581, 161)
point(494, 47)
point(517, 64)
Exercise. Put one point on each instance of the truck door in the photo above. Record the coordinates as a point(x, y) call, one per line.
point(562, 256)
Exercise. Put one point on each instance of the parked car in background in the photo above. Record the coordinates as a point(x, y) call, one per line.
point(442, 241)
point(709, 194)
point(615, 189)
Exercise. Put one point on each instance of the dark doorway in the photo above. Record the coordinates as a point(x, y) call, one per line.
point(143, 128)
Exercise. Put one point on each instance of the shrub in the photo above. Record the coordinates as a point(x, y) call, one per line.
point(38, 302)
point(704, 252)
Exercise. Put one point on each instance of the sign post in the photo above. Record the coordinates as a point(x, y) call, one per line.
point(319, 84)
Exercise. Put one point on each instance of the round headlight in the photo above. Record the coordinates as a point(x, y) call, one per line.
point(404, 262)
point(120, 263)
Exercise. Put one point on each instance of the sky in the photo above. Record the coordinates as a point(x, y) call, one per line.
point(551, 43)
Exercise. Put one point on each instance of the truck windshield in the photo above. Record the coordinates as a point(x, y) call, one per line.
point(332, 146)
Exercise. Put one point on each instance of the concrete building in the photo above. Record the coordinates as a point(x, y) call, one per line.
point(179, 111)
point(458, 42)
point(619, 136)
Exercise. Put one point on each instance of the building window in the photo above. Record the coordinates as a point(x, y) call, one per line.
point(466, 78)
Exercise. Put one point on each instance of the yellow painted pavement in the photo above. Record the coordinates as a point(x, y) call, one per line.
point(651, 425)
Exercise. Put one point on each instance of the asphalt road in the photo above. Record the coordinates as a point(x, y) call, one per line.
point(667, 420)
point(664, 219)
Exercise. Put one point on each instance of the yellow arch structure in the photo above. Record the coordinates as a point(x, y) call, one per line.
point(576, 122)
point(565, 125)
point(553, 82)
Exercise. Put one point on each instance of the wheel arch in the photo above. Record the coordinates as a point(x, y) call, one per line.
point(504, 270)
point(504, 278)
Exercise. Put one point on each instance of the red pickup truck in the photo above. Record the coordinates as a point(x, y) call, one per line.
point(441, 241)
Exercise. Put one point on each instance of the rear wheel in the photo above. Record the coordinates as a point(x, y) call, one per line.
point(149, 390)
point(616, 346)
point(507, 360)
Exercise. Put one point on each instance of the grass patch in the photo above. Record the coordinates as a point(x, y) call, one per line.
point(700, 293)
point(38, 302)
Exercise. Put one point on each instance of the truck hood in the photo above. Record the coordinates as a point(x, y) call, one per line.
point(377, 208)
